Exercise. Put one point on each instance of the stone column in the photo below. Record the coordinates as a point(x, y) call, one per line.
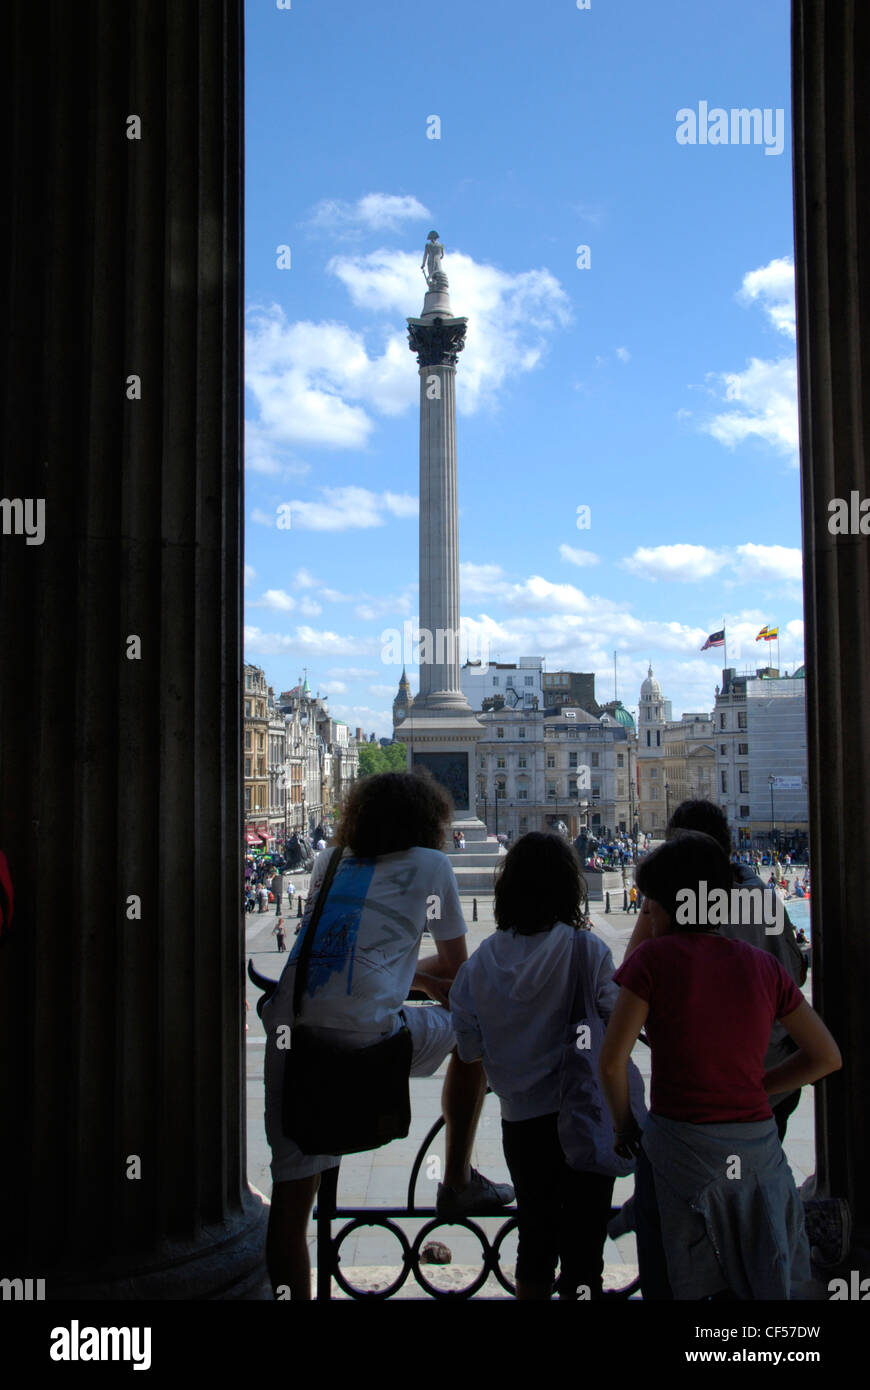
point(121, 981)
point(831, 56)
point(437, 344)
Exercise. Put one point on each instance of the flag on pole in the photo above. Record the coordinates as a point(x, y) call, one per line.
point(762, 633)
point(716, 639)
point(771, 634)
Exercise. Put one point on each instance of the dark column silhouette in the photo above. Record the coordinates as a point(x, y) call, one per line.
point(831, 56)
point(121, 996)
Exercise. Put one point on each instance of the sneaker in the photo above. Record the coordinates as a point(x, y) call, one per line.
point(480, 1198)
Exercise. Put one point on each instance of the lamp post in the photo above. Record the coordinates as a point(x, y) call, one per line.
point(772, 815)
point(667, 803)
point(485, 817)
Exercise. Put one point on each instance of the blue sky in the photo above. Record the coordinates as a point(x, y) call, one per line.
point(656, 386)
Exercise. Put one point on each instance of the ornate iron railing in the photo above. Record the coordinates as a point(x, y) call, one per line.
point(355, 1218)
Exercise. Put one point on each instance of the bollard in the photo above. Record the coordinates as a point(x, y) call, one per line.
point(474, 909)
point(625, 899)
point(607, 902)
point(299, 906)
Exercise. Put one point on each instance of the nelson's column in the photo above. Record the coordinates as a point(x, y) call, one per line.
point(440, 729)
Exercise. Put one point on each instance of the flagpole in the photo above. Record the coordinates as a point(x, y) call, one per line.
point(725, 641)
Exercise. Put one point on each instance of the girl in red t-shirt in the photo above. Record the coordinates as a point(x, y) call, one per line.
point(707, 1003)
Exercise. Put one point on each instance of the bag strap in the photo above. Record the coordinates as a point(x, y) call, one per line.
point(308, 935)
point(581, 1006)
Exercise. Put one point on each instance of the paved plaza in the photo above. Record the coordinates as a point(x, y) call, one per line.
point(380, 1178)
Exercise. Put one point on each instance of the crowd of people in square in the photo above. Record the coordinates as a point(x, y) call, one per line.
point(539, 1014)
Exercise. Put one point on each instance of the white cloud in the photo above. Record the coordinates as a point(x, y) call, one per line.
point(770, 562)
point(511, 316)
point(688, 564)
point(482, 579)
point(276, 599)
point(773, 286)
point(353, 673)
point(765, 406)
point(383, 691)
point(262, 518)
point(578, 557)
point(351, 508)
point(684, 563)
point(250, 574)
point(623, 354)
point(337, 687)
point(306, 640)
point(373, 212)
point(310, 608)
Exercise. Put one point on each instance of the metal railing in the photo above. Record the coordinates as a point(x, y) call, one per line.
point(329, 1243)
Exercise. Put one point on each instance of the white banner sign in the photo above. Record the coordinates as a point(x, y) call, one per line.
point(787, 784)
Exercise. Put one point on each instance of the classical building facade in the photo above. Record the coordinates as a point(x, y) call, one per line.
point(255, 752)
point(761, 756)
point(538, 768)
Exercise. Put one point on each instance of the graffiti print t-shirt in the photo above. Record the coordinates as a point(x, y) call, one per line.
point(365, 952)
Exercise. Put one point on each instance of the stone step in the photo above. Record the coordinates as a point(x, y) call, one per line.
point(472, 860)
point(471, 880)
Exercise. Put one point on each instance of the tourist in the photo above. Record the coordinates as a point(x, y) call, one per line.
point(278, 931)
point(707, 1004)
point(632, 898)
point(263, 896)
point(510, 1005)
point(277, 887)
point(391, 867)
point(711, 820)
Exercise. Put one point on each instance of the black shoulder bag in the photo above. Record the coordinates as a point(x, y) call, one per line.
point(342, 1100)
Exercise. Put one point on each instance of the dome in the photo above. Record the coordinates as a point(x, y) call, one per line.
point(800, 674)
point(650, 690)
point(622, 716)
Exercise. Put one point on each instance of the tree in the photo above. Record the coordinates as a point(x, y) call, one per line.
point(373, 758)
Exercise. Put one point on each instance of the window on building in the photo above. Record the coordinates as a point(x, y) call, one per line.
point(495, 680)
point(247, 738)
point(247, 798)
point(723, 749)
point(500, 790)
point(593, 759)
point(499, 733)
point(620, 760)
point(529, 680)
point(248, 681)
point(247, 709)
point(744, 813)
point(551, 760)
point(551, 791)
point(521, 760)
point(483, 763)
point(620, 786)
point(743, 749)
point(522, 732)
point(744, 779)
point(723, 721)
point(654, 774)
point(572, 759)
point(247, 767)
point(509, 681)
point(723, 781)
point(500, 762)
point(261, 767)
point(572, 787)
point(524, 822)
point(522, 793)
point(648, 738)
point(658, 738)
point(741, 719)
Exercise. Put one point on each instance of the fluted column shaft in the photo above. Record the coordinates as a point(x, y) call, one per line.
point(121, 999)
point(831, 57)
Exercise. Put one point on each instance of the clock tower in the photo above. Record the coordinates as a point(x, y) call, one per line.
point(403, 701)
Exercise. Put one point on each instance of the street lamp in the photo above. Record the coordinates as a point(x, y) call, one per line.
point(667, 803)
point(772, 815)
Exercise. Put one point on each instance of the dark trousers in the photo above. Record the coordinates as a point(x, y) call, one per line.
point(654, 1283)
point(562, 1215)
point(783, 1109)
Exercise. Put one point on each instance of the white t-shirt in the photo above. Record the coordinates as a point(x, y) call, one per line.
point(365, 953)
point(511, 1003)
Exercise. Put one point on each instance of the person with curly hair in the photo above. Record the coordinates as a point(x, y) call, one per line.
point(393, 881)
point(511, 1006)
